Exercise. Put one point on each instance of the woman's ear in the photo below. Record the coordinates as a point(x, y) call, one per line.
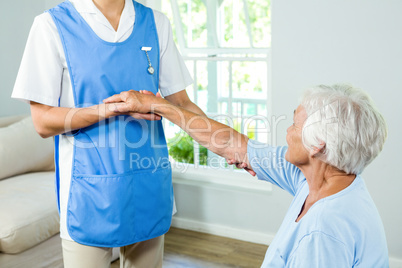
point(315, 150)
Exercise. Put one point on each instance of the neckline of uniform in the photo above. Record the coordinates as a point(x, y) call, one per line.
point(100, 39)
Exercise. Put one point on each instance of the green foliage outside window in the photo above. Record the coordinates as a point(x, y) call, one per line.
point(182, 150)
point(181, 147)
point(193, 15)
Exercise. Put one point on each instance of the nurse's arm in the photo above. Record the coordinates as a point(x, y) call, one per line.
point(50, 121)
point(218, 138)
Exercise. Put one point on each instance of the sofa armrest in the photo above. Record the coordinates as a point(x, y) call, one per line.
point(8, 120)
point(22, 150)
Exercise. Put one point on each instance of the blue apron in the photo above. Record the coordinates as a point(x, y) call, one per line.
point(121, 187)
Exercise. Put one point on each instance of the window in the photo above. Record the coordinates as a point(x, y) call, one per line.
point(225, 44)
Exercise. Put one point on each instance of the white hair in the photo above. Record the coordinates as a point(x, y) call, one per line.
point(346, 122)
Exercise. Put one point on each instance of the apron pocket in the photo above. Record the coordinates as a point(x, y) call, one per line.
point(119, 210)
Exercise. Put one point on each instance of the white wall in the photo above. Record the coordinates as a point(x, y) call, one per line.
point(16, 18)
point(359, 42)
point(314, 42)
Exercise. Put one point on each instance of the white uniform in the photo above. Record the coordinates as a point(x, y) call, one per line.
point(43, 76)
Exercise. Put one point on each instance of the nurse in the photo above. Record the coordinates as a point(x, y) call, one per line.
point(78, 54)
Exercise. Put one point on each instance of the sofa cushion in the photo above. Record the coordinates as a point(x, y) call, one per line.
point(8, 120)
point(23, 150)
point(28, 211)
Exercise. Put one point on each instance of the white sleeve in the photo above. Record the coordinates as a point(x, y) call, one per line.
point(40, 74)
point(173, 73)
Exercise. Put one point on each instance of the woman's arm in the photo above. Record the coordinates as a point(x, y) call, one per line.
point(50, 121)
point(219, 138)
point(181, 99)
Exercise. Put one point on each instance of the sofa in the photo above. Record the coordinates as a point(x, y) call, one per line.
point(29, 220)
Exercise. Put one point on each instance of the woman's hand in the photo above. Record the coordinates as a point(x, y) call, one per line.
point(138, 104)
point(218, 138)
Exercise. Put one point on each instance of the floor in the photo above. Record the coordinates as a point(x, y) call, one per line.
point(188, 249)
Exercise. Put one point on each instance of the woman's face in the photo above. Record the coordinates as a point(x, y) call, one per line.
point(297, 154)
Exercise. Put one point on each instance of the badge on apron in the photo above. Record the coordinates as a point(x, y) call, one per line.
point(150, 69)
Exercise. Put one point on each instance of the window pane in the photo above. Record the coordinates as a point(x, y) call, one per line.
point(167, 10)
point(260, 20)
point(250, 109)
point(235, 23)
point(181, 148)
point(261, 109)
point(236, 109)
point(250, 128)
point(193, 15)
point(234, 15)
point(249, 79)
point(223, 77)
point(202, 85)
point(223, 107)
point(234, 29)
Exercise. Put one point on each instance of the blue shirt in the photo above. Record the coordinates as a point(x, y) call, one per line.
point(341, 230)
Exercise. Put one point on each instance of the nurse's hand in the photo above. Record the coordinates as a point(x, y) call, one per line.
point(137, 104)
point(149, 116)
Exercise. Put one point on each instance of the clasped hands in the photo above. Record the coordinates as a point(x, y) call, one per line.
point(137, 104)
point(143, 104)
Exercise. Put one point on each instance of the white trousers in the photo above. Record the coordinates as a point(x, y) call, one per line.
point(145, 254)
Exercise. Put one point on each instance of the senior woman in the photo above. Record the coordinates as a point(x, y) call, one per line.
point(337, 132)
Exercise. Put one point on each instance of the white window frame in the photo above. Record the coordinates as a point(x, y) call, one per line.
point(196, 174)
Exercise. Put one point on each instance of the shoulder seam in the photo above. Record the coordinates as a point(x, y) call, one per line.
point(312, 233)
